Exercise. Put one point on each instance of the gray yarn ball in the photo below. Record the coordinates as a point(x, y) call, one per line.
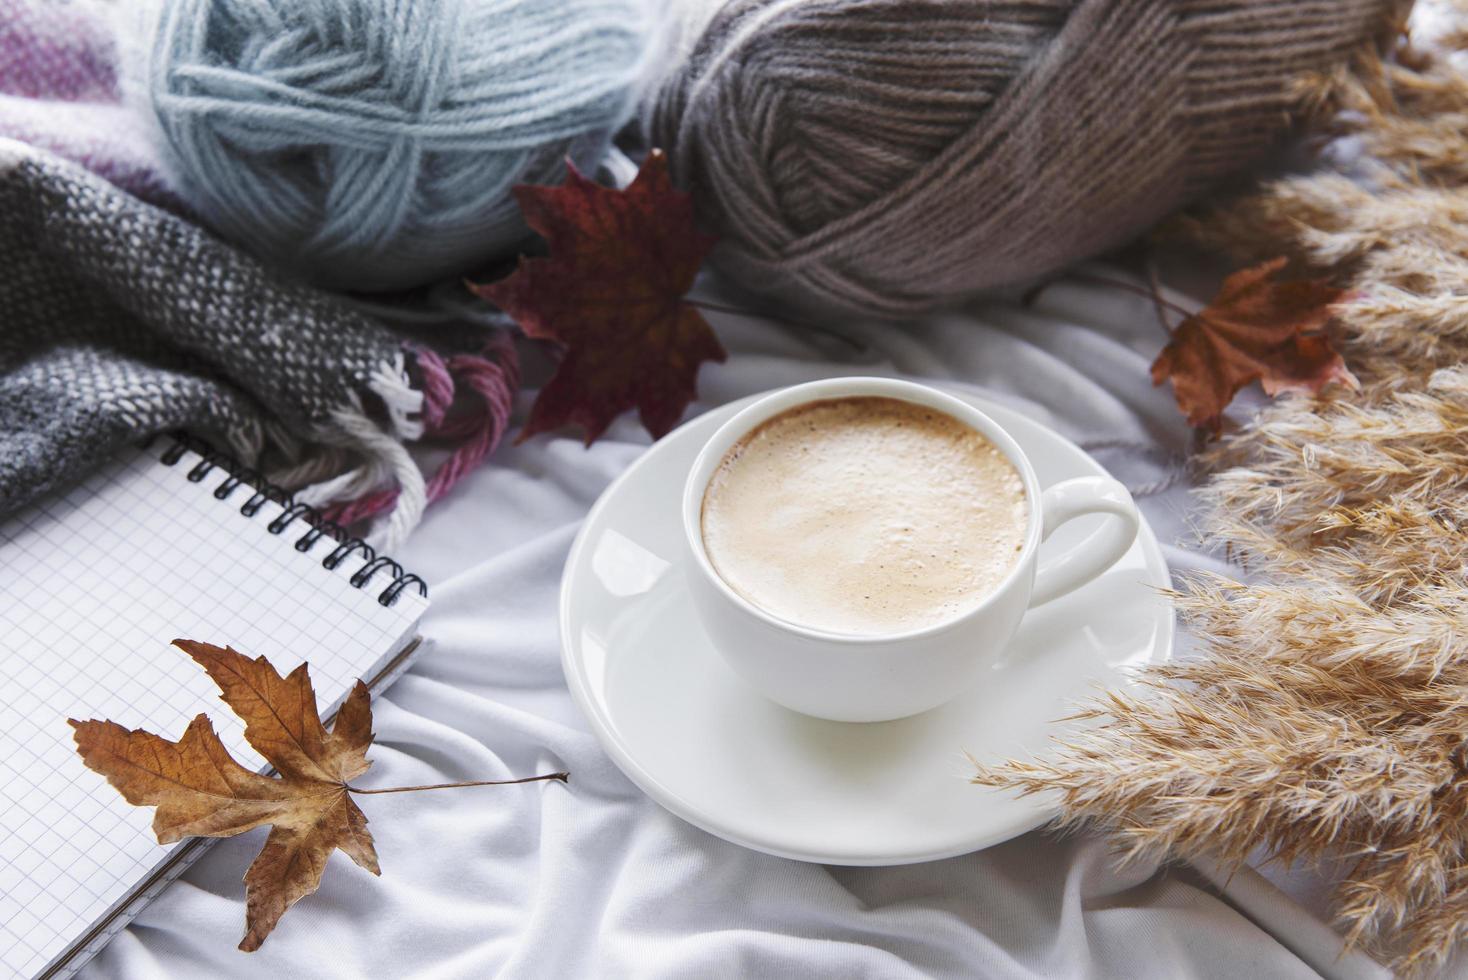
point(891, 156)
point(373, 144)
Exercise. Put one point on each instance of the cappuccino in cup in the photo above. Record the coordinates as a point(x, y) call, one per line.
point(864, 515)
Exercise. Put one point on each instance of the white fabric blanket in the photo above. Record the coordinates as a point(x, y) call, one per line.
point(593, 879)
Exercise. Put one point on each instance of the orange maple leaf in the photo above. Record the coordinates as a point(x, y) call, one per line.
point(612, 292)
point(1254, 329)
point(201, 791)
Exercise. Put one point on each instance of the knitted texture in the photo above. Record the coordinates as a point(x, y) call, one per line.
point(121, 320)
point(888, 156)
point(373, 144)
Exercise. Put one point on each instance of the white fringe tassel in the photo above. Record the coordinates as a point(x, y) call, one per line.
point(320, 479)
point(385, 451)
point(390, 382)
point(346, 484)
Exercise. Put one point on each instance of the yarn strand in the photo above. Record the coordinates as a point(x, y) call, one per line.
point(373, 144)
point(477, 430)
point(888, 157)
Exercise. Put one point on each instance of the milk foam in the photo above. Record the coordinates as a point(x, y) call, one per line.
point(864, 515)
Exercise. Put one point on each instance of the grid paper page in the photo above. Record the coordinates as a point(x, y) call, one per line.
point(93, 587)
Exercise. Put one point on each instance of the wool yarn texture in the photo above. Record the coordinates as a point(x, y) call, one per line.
point(892, 156)
point(372, 144)
point(123, 321)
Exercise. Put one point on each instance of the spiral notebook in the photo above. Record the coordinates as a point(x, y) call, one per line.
point(166, 541)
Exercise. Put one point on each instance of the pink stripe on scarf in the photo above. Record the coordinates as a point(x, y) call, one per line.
point(477, 430)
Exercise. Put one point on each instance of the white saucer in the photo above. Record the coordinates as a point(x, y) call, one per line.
point(695, 738)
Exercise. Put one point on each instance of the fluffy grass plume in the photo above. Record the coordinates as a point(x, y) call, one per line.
point(1328, 716)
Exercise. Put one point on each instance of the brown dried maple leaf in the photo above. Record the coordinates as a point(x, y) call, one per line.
point(1254, 329)
point(612, 291)
point(201, 791)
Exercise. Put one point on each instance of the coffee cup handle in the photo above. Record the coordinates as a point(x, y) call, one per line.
point(1100, 550)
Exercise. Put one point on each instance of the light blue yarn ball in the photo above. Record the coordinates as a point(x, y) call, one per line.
point(372, 144)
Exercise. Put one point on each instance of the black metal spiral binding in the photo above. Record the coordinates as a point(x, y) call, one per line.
point(318, 526)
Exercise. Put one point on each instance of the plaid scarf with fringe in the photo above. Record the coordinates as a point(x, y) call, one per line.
point(119, 320)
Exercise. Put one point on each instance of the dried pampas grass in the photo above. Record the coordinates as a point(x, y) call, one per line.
point(1328, 718)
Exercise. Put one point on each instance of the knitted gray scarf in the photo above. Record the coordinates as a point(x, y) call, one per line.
point(119, 320)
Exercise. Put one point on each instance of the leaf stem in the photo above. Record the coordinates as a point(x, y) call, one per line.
point(1142, 291)
point(719, 307)
point(562, 776)
point(792, 321)
point(1158, 303)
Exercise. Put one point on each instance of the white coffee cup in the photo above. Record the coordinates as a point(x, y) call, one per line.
point(879, 677)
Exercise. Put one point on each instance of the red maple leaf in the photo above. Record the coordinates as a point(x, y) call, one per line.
point(612, 292)
point(1255, 329)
